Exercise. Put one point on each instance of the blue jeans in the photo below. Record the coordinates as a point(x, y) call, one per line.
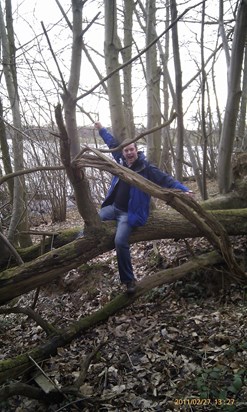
point(121, 240)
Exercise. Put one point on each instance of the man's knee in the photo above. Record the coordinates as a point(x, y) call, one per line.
point(120, 242)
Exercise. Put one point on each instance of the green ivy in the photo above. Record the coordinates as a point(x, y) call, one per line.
point(220, 386)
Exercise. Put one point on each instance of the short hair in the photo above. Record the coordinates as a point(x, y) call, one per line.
point(134, 143)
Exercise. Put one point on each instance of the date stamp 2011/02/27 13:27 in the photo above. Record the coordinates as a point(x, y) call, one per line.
point(203, 401)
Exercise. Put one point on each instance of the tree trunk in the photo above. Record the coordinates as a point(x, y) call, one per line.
point(165, 158)
point(112, 47)
point(203, 113)
point(77, 178)
point(153, 88)
point(69, 138)
point(161, 225)
point(19, 211)
point(5, 153)
point(241, 133)
point(194, 163)
point(179, 98)
point(127, 71)
point(232, 104)
point(16, 281)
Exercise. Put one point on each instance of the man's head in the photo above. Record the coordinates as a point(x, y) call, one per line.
point(130, 153)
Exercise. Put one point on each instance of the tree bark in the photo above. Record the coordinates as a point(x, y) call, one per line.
point(6, 159)
point(241, 132)
point(127, 71)
point(19, 211)
point(112, 47)
point(233, 99)
point(153, 88)
point(77, 178)
point(179, 98)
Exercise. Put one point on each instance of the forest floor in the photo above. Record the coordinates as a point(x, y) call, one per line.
point(181, 347)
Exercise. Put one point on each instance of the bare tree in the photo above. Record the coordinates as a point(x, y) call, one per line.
point(112, 48)
point(203, 111)
point(179, 98)
point(126, 52)
point(233, 99)
point(153, 86)
point(241, 137)
point(5, 151)
point(19, 211)
point(165, 159)
point(70, 146)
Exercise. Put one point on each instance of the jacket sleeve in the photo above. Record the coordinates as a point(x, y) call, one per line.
point(163, 179)
point(111, 142)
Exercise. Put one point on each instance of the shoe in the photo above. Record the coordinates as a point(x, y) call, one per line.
point(131, 287)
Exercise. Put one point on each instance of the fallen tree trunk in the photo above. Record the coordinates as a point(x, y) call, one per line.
point(43, 270)
point(12, 368)
point(162, 224)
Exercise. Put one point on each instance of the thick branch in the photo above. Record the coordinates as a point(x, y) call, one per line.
point(181, 202)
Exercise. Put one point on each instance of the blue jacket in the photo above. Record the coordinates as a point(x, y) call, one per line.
point(139, 201)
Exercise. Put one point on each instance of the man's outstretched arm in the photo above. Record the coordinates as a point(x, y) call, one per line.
point(109, 140)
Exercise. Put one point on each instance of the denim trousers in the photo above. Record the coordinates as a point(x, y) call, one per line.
point(122, 235)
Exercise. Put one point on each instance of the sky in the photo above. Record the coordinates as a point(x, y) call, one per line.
point(28, 15)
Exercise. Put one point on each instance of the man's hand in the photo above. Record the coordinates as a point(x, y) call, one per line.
point(98, 125)
point(191, 193)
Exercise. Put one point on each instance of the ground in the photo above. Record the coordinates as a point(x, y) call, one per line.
point(182, 347)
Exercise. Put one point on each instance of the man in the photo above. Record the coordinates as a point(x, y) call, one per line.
point(128, 205)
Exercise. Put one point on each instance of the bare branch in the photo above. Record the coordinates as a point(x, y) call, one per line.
point(54, 57)
point(48, 328)
point(12, 249)
point(126, 142)
point(141, 52)
point(27, 171)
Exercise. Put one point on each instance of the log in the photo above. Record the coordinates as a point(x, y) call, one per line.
point(12, 368)
point(162, 224)
point(45, 269)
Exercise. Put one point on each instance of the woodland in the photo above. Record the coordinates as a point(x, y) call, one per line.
point(155, 73)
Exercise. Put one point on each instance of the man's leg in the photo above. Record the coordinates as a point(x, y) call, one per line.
point(122, 248)
point(107, 213)
point(121, 244)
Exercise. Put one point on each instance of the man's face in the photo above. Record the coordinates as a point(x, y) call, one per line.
point(130, 154)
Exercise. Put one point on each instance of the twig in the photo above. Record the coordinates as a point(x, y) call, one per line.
point(43, 373)
point(86, 363)
point(49, 329)
point(130, 361)
point(50, 380)
point(54, 57)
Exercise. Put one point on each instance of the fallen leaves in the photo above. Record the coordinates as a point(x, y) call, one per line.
point(181, 341)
